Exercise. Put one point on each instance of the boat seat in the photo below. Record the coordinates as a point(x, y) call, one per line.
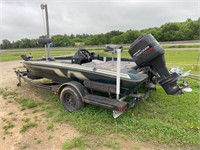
point(112, 48)
point(26, 58)
point(82, 56)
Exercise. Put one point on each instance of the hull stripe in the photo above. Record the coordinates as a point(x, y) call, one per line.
point(74, 66)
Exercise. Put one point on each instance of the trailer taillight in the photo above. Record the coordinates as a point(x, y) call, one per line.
point(122, 108)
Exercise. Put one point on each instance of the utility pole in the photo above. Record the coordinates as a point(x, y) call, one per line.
point(44, 7)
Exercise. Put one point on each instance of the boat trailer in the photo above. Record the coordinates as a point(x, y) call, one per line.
point(79, 94)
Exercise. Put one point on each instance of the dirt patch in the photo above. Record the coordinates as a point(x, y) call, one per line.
point(12, 119)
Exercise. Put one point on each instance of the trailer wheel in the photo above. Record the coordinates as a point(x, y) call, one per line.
point(71, 99)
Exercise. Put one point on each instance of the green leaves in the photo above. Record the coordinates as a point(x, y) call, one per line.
point(175, 31)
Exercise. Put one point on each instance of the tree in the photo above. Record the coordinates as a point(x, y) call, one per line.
point(170, 31)
point(17, 44)
point(156, 32)
point(111, 34)
point(117, 39)
point(60, 40)
point(130, 35)
point(98, 39)
point(6, 44)
point(188, 30)
point(33, 43)
point(26, 43)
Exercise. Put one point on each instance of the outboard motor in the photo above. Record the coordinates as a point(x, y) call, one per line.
point(146, 51)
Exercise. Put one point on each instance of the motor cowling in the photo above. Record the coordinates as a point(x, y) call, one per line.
point(146, 51)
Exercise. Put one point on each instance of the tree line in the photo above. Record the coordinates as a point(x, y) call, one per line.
point(175, 31)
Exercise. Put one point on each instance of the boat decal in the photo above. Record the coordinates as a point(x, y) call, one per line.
point(59, 72)
point(56, 70)
point(78, 75)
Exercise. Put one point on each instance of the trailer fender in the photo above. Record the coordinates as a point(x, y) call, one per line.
point(79, 87)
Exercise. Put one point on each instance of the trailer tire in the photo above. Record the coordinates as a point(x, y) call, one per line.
point(71, 99)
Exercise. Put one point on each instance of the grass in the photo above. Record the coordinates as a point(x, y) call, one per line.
point(184, 58)
point(5, 93)
point(10, 113)
point(76, 143)
point(27, 126)
point(38, 53)
point(49, 113)
point(15, 54)
point(111, 144)
point(50, 126)
point(7, 127)
point(182, 46)
point(26, 119)
point(27, 103)
point(38, 141)
point(188, 59)
point(162, 118)
point(24, 146)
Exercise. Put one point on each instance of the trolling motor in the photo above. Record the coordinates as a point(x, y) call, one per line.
point(146, 51)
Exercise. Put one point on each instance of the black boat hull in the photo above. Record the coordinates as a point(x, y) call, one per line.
point(62, 73)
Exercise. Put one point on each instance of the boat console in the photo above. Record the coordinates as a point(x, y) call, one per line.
point(82, 56)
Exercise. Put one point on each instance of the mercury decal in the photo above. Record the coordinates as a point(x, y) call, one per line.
point(141, 51)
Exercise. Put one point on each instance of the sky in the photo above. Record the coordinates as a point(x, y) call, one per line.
point(24, 18)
